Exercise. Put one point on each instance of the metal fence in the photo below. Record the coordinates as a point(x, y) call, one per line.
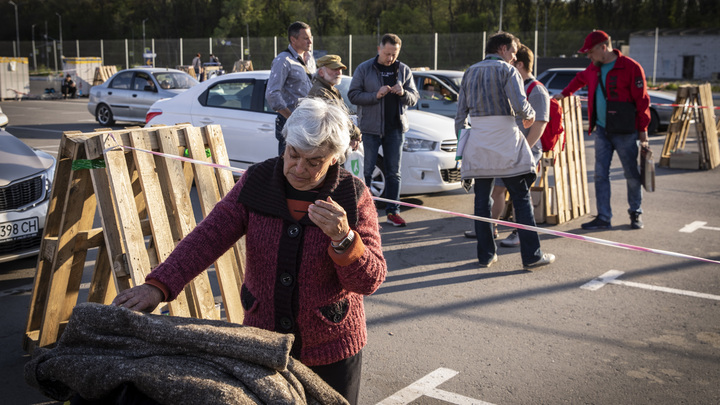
point(441, 51)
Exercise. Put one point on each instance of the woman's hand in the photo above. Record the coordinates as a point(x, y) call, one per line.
point(330, 217)
point(143, 298)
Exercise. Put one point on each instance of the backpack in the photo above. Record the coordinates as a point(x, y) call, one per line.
point(554, 128)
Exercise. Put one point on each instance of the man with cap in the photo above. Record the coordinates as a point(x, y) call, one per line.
point(619, 113)
point(329, 75)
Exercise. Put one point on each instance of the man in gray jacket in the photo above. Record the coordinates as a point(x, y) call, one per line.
point(383, 88)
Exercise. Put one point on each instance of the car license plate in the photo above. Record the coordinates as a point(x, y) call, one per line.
point(19, 229)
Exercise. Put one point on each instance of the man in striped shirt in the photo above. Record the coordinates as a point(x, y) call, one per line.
point(491, 95)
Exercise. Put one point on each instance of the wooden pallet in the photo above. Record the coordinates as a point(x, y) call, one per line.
point(144, 205)
point(102, 73)
point(566, 191)
point(693, 103)
point(242, 66)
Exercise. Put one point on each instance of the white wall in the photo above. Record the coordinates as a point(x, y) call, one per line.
point(672, 49)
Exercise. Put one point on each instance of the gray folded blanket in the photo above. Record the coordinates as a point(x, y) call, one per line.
point(173, 360)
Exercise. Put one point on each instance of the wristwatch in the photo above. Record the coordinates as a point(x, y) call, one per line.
point(345, 243)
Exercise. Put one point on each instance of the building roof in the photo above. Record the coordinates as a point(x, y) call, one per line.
point(679, 32)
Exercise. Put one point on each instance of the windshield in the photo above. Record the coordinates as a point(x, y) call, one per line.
point(174, 80)
point(452, 81)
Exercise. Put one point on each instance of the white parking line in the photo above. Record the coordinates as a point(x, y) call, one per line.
point(427, 386)
point(611, 278)
point(690, 228)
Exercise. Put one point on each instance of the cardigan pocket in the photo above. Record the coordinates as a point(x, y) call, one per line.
point(336, 312)
point(248, 301)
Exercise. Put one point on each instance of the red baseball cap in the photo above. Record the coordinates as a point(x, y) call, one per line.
point(593, 39)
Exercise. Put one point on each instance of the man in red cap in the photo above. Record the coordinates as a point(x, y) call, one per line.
point(619, 112)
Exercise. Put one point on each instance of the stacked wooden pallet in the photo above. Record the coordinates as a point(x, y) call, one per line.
point(565, 193)
point(102, 73)
point(145, 207)
point(692, 103)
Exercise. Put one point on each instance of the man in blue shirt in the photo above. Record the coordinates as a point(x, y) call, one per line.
point(290, 76)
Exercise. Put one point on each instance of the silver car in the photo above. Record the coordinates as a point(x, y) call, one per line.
point(555, 80)
point(128, 94)
point(25, 181)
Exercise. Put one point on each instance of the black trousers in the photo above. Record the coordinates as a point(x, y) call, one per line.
point(343, 376)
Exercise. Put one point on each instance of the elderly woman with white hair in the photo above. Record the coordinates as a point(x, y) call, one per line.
point(312, 248)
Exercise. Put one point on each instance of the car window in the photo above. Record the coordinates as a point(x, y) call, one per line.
point(431, 89)
point(235, 94)
point(174, 80)
point(122, 80)
point(452, 82)
point(560, 80)
point(143, 82)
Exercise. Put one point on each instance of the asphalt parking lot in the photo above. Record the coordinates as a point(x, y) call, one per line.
point(600, 326)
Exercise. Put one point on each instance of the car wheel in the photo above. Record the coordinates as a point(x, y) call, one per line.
point(654, 122)
point(104, 115)
point(377, 184)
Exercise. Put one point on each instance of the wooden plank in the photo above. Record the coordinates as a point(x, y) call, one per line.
point(127, 212)
point(583, 159)
point(78, 215)
point(53, 223)
point(572, 175)
point(226, 181)
point(233, 276)
point(155, 206)
point(102, 286)
point(209, 195)
point(179, 210)
point(113, 240)
point(199, 295)
point(710, 129)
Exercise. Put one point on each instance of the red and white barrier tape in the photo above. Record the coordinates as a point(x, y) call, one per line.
point(556, 233)
point(457, 214)
point(671, 105)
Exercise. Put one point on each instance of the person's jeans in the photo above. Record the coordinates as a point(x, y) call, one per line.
point(279, 125)
point(627, 150)
point(519, 189)
point(392, 145)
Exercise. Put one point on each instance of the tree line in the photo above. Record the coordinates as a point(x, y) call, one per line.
point(117, 19)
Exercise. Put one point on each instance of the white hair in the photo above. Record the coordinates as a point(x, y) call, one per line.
point(314, 124)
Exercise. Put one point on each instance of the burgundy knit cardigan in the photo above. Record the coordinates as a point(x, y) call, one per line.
point(294, 282)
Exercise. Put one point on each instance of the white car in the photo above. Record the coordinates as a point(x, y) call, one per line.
point(237, 103)
point(25, 181)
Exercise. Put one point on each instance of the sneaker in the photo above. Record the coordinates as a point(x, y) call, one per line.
point(513, 240)
point(395, 220)
point(596, 223)
point(546, 259)
point(635, 221)
point(490, 263)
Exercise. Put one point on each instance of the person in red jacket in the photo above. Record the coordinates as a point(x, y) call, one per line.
point(619, 113)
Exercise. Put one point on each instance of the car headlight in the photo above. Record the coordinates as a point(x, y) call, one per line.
point(417, 145)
